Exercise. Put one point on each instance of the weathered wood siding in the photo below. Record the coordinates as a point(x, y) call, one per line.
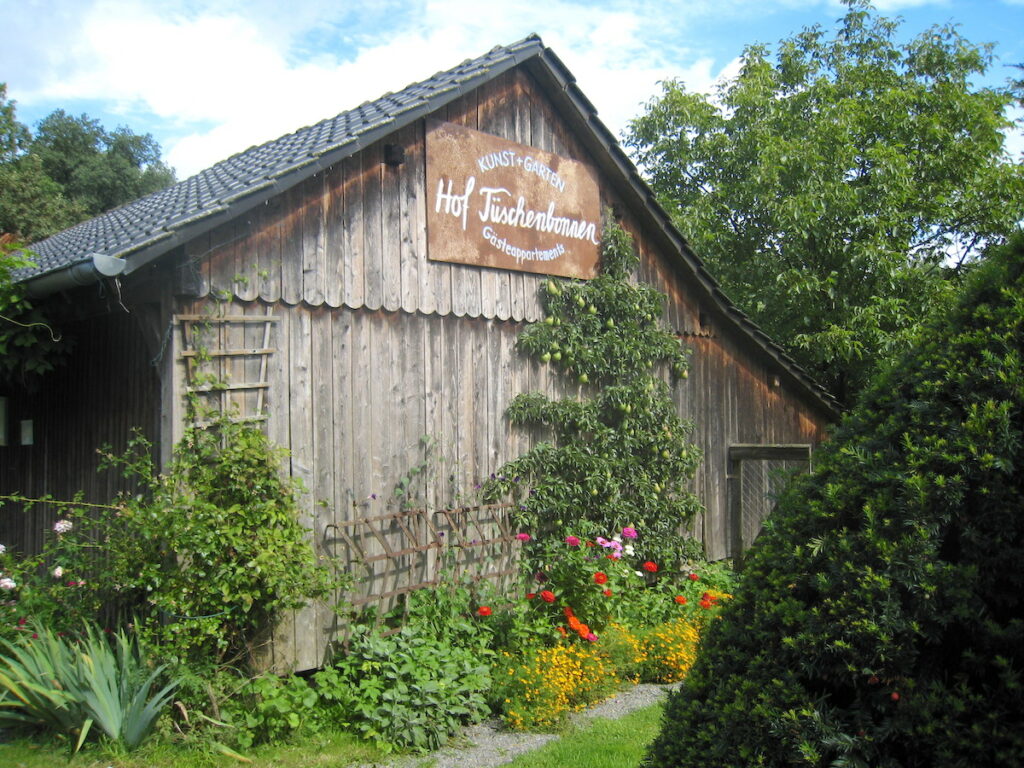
point(379, 348)
point(103, 390)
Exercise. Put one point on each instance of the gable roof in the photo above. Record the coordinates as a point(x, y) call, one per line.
point(127, 238)
point(155, 224)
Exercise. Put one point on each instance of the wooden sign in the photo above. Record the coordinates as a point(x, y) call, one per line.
point(495, 203)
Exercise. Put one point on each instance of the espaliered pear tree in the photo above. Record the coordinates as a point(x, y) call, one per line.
point(618, 454)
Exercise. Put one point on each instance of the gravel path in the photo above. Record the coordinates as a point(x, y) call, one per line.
point(487, 745)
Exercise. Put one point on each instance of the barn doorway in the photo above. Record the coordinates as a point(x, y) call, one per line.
point(756, 475)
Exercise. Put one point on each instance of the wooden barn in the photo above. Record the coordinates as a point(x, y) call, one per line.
point(358, 287)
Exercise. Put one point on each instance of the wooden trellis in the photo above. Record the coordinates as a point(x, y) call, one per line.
point(396, 553)
point(226, 362)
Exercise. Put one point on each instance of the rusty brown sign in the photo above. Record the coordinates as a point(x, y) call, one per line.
point(496, 203)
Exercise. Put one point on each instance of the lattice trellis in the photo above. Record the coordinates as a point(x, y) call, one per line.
point(226, 361)
point(395, 553)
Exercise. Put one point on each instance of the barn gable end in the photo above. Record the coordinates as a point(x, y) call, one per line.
point(312, 298)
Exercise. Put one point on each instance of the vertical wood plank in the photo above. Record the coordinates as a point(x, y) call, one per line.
point(314, 267)
point(373, 222)
point(323, 434)
point(334, 235)
point(291, 246)
point(246, 283)
point(268, 273)
point(302, 457)
point(430, 282)
point(410, 201)
point(353, 249)
point(392, 234)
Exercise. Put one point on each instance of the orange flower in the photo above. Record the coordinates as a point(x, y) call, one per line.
point(574, 624)
point(680, 599)
point(547, 596)
point(600, 578)
point(483, 610)
point(607, 593)
point(568, 612)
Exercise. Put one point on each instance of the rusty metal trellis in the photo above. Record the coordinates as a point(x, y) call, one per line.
point(394, 553)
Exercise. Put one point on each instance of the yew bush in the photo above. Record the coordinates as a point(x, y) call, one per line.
point(880, 618)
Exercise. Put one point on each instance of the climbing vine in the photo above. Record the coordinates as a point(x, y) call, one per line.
point(618, 453)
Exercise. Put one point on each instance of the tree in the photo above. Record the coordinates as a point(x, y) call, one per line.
point(70, 170)
point(879, 619)
point(100, 170)
point(620, 454)
point(827, 190)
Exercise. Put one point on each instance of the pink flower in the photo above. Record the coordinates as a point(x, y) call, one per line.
point(592, 637)
point(629, 533)
point(7, 583)
point(615, 555)
point(523, 537)
point(572, 541)
point(62, 526)
point(602, 541)
point(58, 572)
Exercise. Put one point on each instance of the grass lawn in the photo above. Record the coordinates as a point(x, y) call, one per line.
point(335, 750)
point(601, 743)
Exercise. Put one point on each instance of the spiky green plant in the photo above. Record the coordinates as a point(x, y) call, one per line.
point(49, 682)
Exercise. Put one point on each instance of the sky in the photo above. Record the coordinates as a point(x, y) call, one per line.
point(210, 78)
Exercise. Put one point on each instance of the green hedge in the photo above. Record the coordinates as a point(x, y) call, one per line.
point(880, 620)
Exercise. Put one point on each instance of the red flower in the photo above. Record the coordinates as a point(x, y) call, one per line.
point(650, 567)
point(680, 599)
point(705, 603)
point(873, 680)
point(568, 612)
point(895, 696)
point(600, 578)
point(483, 610)
point(591, 544)
point(530, 595)
point(693, 577)
point(607, 593)
point(547, 596)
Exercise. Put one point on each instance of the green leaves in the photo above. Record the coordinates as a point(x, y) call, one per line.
point(68, 687)
point(619, 453)
point(827, 188)
point(878, 619)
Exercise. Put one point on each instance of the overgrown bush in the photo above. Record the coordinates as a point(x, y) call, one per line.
point(201, 559)
point(411, 689)
point(880, 619)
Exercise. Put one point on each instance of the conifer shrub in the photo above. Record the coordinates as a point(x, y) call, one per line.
point(880, 617)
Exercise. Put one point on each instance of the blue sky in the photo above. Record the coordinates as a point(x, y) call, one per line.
point(210, 78)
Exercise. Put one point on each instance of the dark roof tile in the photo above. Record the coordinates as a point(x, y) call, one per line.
point(142, 223)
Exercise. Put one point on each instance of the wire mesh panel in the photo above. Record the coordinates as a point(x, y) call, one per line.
point(757, 475)
point(761, 482)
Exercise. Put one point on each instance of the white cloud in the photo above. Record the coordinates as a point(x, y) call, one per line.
point(237, 70)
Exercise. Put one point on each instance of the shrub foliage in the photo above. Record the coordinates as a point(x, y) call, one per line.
point(618, 453)
point(880, 620)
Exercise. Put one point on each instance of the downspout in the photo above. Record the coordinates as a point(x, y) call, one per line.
point(92, 269)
